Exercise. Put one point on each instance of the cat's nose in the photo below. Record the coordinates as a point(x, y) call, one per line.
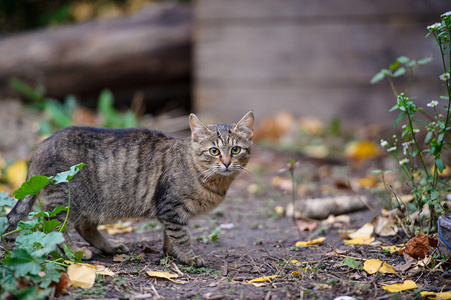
point(226, 164)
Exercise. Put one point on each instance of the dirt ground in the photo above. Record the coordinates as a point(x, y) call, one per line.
point(246, 237)
point(260, 243)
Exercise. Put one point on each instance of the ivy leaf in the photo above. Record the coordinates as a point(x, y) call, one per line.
point(68, 175)
point(31, 187)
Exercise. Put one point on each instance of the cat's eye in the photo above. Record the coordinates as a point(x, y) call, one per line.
point(236, 150)
point(214, 151)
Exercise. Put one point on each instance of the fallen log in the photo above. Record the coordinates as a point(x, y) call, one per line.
point(150, 51)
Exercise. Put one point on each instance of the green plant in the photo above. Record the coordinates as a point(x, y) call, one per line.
point(60, 115)
point(422, 165)
point(27, 264)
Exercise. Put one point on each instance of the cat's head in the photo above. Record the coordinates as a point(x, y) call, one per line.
point(222, 148)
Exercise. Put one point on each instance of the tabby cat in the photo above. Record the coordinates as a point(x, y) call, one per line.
point(134, 173)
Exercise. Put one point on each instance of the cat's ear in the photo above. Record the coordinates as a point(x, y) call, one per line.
point(198, 130)
point(246, 125)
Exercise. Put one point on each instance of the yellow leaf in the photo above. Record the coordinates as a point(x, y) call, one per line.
point(441, 296)
point(164, 275)
point(308, 243)
point(262, 279)
point(82, 275)
point(360, 241)
point(393, 248)
point(16, 173)
point(102, 270)
point(372, 266)
point(361, 150)
point(117, 228)
point(399, 287)
point(364, 231)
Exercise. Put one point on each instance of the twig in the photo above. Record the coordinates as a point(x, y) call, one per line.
point(360, 199)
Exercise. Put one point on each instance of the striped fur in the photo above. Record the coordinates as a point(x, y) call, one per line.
point(140, 173)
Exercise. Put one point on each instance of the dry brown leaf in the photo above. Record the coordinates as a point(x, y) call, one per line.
point(284, 184)
point(417, 247)
point(304, 226)
point(120, 257)
point(384, 226)
point(275, 127)
point(62, 284)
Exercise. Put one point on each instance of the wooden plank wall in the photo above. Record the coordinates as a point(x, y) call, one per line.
point(314, 58)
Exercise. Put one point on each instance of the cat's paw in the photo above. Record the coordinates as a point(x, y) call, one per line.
point(196, 261)
point(87, 254)
point(119, 249)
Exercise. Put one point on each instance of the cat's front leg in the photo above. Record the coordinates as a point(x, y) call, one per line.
point(177, 242)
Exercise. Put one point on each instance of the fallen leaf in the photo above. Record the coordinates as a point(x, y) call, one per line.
point(368, 182)
point(399, 287)
point(100, 269)
point(280, 210)
point(361, 150)
point(359, 241)
point(372, 266)
point(16, 173)
point(417, 247)
point(284, 184)
point(365, 231)
point(393, 248)
point(384, 226)
point(331, 219)
point(261, 281)
point(120, 257)
point(312, 126)
point(304, 226)
point(62, 284)
point(82, 275)
point(117, 228)
point(275, 127)
point(440, 295)
point(164, 275)
point(308, 243)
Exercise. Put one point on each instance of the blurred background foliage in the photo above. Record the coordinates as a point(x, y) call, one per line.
point(19, 15)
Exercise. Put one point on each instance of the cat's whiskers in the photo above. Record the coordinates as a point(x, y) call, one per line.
point(246, 171)
point(207, 174)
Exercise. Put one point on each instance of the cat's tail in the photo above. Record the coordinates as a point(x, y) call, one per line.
point(20, 211)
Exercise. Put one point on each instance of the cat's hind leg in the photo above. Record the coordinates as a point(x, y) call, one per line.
point(93, 236)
